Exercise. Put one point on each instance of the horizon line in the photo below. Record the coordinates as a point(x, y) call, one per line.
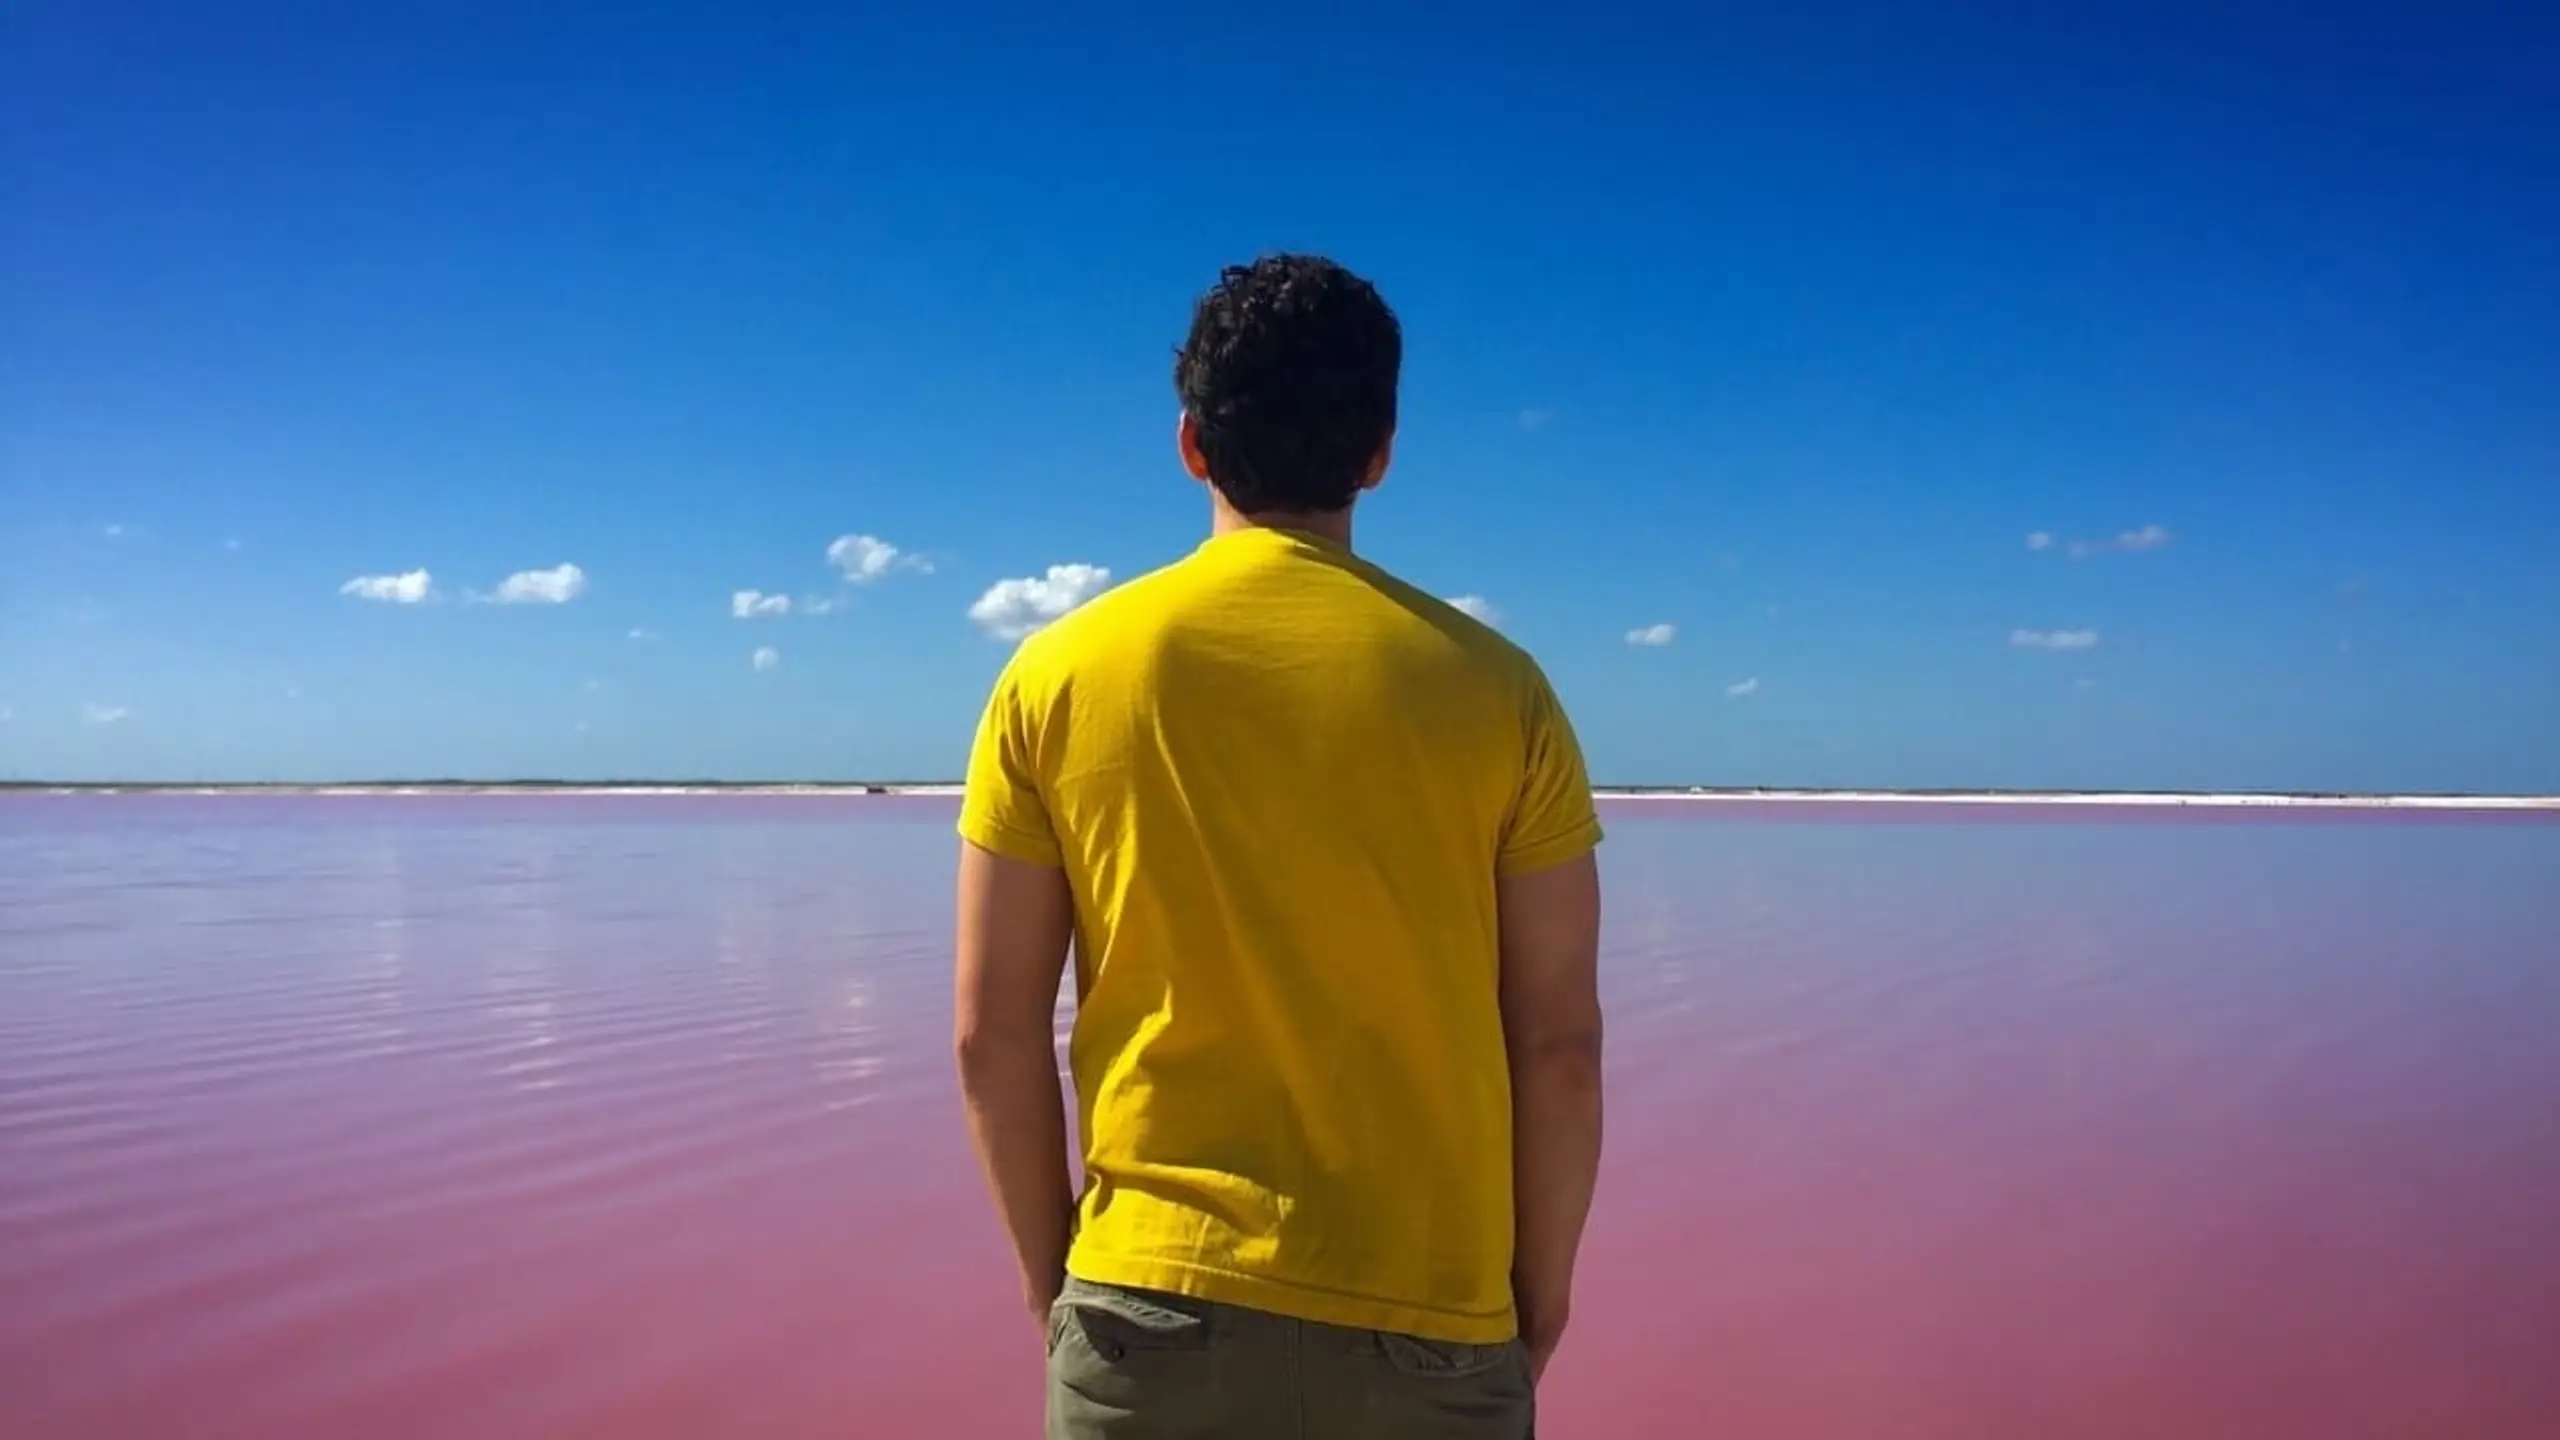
point(822, 788)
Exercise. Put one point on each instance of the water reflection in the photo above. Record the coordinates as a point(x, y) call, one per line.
point(519, 983)
point(848, 1056)
point(376, 1021)
point(742, 951)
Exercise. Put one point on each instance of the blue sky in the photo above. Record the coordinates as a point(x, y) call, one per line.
point(1786, 334)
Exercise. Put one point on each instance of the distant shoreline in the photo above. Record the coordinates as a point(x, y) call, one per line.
point(2099, 798)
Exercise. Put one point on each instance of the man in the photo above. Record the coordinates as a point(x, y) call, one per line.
point(1324, 849)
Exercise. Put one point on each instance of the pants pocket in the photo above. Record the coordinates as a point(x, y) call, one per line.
point(1421, 1359)
point(1116, 1324)
point(1409, 1388)
point(1131, 1365)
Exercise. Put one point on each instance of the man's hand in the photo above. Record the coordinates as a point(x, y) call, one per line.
point(1040, 1291)
point(1015, 922)
point(1539, 1355)
point(1039, 1312)
point(1038, 1296)
point(1539, 1335)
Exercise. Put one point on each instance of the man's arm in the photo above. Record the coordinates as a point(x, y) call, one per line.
point(1015, 922)
point(1551, 1026)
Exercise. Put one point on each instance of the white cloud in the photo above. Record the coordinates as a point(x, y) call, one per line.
point(1476, 606)
point(1012, 609)
point(865, 558)
point(820, 605)
point(2040, 540)
point(765, 658)
point(94, 713)
point(643, 635)
point(748, 604)
point(1741, 689)
point(1662, 634)
point(556, 586)
point(2054, 639)
point(404, 589)
point(2123, 541)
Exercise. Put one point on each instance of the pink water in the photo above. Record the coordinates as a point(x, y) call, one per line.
point(565, 1117)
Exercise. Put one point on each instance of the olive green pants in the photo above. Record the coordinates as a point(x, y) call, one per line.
point(1137, 1365)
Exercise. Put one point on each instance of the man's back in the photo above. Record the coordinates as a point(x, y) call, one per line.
point(1320, 845)
point(1281, 785)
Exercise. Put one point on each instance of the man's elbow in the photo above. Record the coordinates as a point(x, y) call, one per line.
point(1565, 1052)
point(987, 1053)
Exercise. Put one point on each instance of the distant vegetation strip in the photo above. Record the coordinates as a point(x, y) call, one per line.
point(1614, 792)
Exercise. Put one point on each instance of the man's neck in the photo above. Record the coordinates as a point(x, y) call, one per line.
point(1332, 525)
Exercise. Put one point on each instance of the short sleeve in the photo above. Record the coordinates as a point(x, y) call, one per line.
point(1554, 820)
point(1000, 807)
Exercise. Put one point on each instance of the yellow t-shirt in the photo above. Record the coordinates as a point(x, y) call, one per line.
point(1281, 783)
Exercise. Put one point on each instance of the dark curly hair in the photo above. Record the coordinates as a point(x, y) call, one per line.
point(1289, 377)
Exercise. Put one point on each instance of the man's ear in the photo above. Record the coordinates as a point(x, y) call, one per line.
point(1186, 439)
point(1378, 466)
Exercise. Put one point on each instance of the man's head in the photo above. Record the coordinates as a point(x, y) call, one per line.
point(1288, 386)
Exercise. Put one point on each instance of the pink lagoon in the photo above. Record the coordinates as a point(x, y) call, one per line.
point(427, 1116)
